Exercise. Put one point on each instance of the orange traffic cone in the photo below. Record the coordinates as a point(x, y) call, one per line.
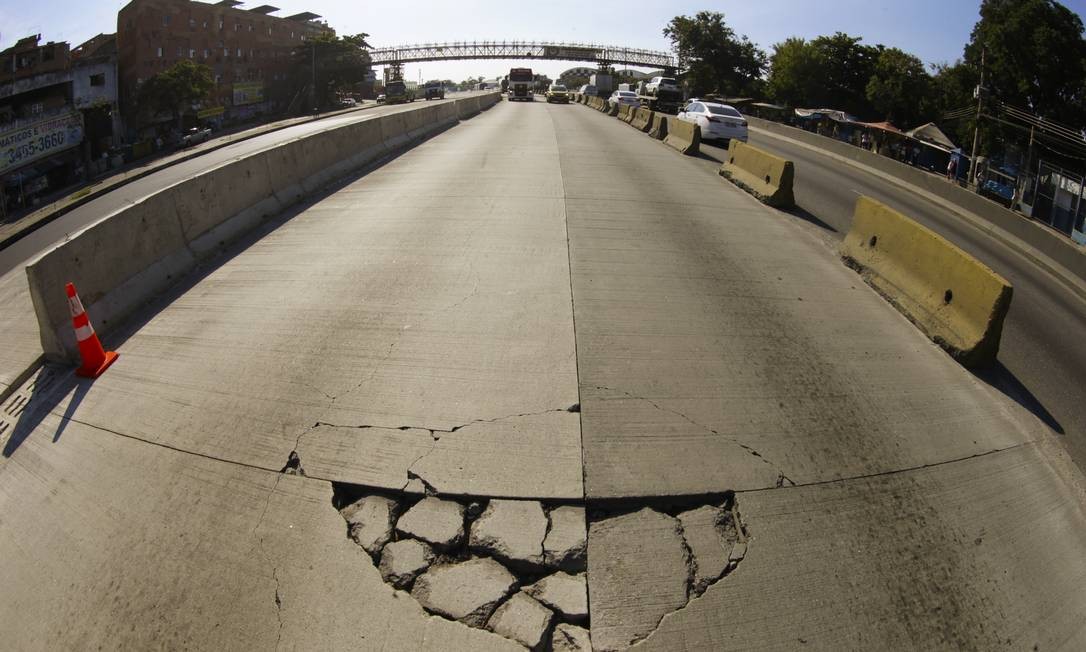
point(95, 359)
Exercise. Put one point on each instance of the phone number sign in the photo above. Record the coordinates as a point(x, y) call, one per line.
point(40, 139)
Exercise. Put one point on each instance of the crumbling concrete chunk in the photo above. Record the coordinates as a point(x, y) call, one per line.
point(523, 620)
point(570, 638)
point(369, 521)
point(640, 570)
point(567, 541)
point(567, 594)
point(436, 521)
point(703, 531)
point(511, 530)
point(403, 560)
point(467, 592)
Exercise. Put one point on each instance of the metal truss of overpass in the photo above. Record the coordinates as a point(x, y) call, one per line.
point(603, 55)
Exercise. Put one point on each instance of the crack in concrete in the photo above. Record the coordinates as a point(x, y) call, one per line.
point(433, 431)
point(278, 606)
point(781, 477)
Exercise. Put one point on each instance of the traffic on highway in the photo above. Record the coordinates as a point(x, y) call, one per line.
point(599, 348)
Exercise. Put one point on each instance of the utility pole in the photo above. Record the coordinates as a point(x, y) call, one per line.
point(976, 125)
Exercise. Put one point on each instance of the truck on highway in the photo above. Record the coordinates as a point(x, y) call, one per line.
point(520, 84)
point(397, 92)
point(435, 90)
point(660, 94)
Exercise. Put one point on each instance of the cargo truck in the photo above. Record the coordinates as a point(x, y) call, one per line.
point(520, 84)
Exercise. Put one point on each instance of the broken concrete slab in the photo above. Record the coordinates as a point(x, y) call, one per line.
point(522, 619)
point(703, 530)
point(467, 591)
point(370, 520)
point(402, 561)
point(570, 638)
point(566, 594)
point(653, 562)
point(436, 521)
point(566, 545)
point(511, 530)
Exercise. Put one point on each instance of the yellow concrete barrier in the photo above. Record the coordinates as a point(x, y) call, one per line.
point(624, 112)
point(615, 109)
point(601, 104)
point(629, 115)
point(952, 297)
point(658, 129)
point(767, 177)
point(642, 118)
point(683, 136)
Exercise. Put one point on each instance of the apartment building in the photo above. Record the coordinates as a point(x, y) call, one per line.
point(248, 51)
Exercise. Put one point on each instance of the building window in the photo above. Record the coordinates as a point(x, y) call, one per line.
point(205, 24)
point(269, 31)
point(192, 53)
point(226, 52)
point(179, 50)
point(292, 35)
point(250, 27)
point(239, 52)
point(158, 51)
point(220, 25)
point(237, 26)
point(98, 80)
point(166, 19)
point(192, 23)
point(206, 52)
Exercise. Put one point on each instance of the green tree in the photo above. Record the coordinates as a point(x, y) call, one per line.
point(1034, 57)
point(795, 71)
point(951, 89)
point(717, 60)
point(341, 63)
point(846, 66)
point(898, 87)
point(175, 90)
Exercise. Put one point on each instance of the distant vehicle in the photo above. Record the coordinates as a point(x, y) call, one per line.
point(557, 93)
point(628, 87)
point(588, 89)
point(660, 94)
point(520, 84)
point(348, 102)
point(194, 136)
point(397, 92)
point(657, 84)
point(719, 122)
point(381, 98)
point(622, 97)
point(435, 90)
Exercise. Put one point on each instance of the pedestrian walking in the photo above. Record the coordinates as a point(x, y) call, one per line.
point(952, 168)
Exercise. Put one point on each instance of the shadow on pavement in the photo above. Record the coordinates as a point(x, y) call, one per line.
point(40, 397)
point(805, 215)
point(999, 377)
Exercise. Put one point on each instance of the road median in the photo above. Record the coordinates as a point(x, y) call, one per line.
point(683, 136)
point(767, 177)
point(952, 297)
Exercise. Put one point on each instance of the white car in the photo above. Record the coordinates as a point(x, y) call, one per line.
point(716, 121)
point(657, 84)
point(623, 97)
point(588, 89)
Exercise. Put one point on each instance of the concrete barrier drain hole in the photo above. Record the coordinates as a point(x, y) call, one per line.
point(871, 243)
point(514, 567)
point(948, 296)
point(767, 178)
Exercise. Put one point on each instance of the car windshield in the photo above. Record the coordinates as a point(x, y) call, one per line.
point(556, 87)
point(627, 94)
point(667, 80)
point(724, 110)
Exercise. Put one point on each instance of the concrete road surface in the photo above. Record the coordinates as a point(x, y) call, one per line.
point(537, 285)
point(19, 344)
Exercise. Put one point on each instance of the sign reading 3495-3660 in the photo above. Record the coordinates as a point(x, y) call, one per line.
point(33, 141)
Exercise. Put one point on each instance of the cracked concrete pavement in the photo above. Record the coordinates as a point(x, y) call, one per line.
point(414, 332)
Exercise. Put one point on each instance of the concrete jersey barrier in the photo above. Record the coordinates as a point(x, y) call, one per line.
point(629, 114)
point(767, 177)
point(624, 111)
point(952, 297)
point(683, 136)
point(616, 109)
point(133, 254)
point(658, 128)
point(642, 118)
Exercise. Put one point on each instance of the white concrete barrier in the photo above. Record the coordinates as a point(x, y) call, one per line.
point(133, 254)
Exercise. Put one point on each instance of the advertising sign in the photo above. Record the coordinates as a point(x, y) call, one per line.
point(248, 93)
point(211, 112)
point(570, 54)
point(40, 139)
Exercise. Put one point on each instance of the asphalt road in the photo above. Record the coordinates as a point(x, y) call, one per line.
point(1042, 357)
point(538, 303)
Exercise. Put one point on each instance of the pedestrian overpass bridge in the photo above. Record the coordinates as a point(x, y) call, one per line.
point(602, 55)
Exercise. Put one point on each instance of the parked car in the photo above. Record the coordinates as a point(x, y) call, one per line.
point(717, 121)
point(195, 135)
point(623, 97)
point(381, 98)
point(557, 93)
point(588, 89)
point(348, 102)
point(657, 84)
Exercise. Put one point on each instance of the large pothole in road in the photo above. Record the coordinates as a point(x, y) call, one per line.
point(518, 568)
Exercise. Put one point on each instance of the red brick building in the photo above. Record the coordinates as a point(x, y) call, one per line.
point(248, 50)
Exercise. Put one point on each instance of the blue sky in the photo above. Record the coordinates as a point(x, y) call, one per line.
point(934, 30)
